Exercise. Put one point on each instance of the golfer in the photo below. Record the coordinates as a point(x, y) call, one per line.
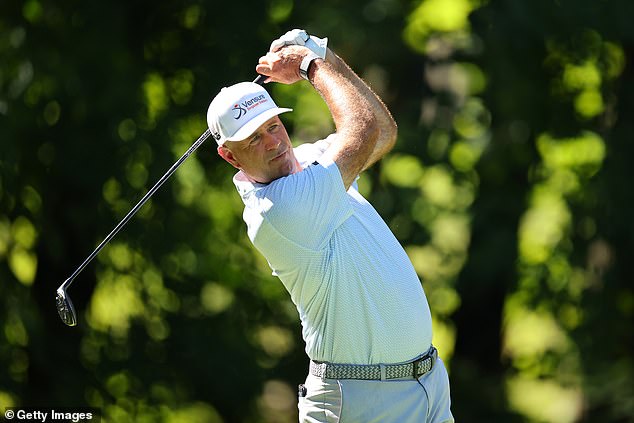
point(365, 317)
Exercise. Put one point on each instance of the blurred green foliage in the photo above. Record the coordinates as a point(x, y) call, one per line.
point(508, 188)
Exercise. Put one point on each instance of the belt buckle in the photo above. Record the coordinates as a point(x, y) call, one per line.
point(415, 365)
point(428, 355)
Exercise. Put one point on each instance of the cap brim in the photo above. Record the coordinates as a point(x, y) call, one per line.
point(251, 126)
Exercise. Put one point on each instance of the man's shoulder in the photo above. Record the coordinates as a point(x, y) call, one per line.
point(307, 153)
point(290, 197)
point(261, 198)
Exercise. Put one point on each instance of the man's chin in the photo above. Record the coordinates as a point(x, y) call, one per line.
point(269, 179)
point(287, 169)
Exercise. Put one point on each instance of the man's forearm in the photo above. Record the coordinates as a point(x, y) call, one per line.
point(354, 117)
point(384, 119)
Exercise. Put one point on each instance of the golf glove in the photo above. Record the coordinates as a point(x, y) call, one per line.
point(299, 37)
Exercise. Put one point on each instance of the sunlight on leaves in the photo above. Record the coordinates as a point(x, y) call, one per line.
point(277, 402)
point(467, 78)
point(156, 97)
point(436, 16)
point(127, 129)
point(15, 332)
point(22, 261)
point(160, 297)
point(32, 11)
point(5, 237)
point(192, 412)
point(570, 316)
point(111, 190)
point(584, 153)
point(190, 177)
point(438, 142)
point(23, 232)
point(115, 302)
point(91, 349)
point(221, 205)
point(530, 333)
point(545, 400)
point(216, 298)
point(181, 86)
point(191, 174)
point(23, 264)
point(438, 187)
point(118, 384)
point(402, 170)
point(157, 328)
point(191, 16)
point(31, 199)
point(427, 261)
point(121, 256)
point(186, 258)
point(585, 76)
point(18, 366)
point(276, 341)
point(7, 400)
point(464, 155)
point(542, 226)
point(444, 300)
point(52, 112)
point(280, 10)
point(472, 120)
point(589, 103)
point(136, 174)
point(581, 77)
point(444, 338)
point(614, 60)
point(451, 233)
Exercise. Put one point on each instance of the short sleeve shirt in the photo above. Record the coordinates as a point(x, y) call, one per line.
point(358, 296)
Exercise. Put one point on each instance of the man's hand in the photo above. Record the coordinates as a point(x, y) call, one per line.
point(282, 65)
point(299, 37)
point(295, 37)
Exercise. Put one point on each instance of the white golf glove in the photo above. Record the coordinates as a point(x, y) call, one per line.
point(299, 37)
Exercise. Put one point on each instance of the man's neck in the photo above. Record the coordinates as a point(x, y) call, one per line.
point(297, 168)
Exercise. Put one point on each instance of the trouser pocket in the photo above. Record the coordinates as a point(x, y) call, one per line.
point(319, 401)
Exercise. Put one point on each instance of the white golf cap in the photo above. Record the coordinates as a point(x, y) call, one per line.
point(237, 111)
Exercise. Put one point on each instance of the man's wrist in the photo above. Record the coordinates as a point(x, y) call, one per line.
point(308, 60)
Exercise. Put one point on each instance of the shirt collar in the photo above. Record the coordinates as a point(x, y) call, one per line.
point(305, 155)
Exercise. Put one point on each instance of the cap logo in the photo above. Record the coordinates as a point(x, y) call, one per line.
point(238, 111)
point(241, 109)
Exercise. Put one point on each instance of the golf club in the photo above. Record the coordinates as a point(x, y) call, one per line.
point(64, 305)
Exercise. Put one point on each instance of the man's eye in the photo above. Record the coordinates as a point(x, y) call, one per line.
point(254, 140)
point(274, 127)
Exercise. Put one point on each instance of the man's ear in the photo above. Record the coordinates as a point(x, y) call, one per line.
point(226, 154)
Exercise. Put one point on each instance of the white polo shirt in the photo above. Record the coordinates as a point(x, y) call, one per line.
point(358, 297)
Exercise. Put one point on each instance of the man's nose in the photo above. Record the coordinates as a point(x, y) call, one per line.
point(271, 142)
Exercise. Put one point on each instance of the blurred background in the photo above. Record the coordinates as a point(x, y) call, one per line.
point(510, 188)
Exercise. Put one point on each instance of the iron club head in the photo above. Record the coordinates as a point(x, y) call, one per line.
point(65, 307)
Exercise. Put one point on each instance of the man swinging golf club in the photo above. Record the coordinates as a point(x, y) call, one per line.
point(365, 317)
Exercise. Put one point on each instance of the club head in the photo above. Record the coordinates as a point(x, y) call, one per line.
point(65, 307)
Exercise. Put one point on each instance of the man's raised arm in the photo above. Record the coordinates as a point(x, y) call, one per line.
point(385, 121)
point(365, 130)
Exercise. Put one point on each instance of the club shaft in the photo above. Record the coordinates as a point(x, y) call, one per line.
point(140, 204)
